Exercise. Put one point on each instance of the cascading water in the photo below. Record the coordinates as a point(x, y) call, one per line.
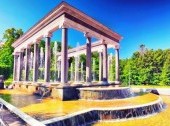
point(41, 66)
point(77, 60)
point(110, 67)
point(77, 63)
point(55, 61)
point(105, 93)
point(41, 57)
point(59, 70)
point(72, 73)
point(23, 68)
point(82, 72)
point(31, 60)
point(94, 67)
point(91, 116)
point(31, 66)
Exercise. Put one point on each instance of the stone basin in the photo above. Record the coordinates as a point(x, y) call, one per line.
point(105, 93)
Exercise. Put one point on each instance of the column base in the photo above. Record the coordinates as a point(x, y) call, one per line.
point(1, 85)
point(88, 83)
point(104, 83)
point(77, 83)
point(117, 82)
point(65, 93)
point(62, 85)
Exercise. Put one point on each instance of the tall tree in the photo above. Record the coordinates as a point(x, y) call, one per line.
point(6, 57)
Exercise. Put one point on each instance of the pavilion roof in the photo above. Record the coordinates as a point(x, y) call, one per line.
point(71, 14)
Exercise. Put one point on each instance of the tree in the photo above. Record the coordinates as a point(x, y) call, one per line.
point(166, 71)
point(6, 57)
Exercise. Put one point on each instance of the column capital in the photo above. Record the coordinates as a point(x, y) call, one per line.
point(48, 34)
point(117, 46)
point(21, 50)
point(87, 34)
point(100, 49)
point(15, 53)
point(63, 25)
point(103, 41)
point(28, 46)
point(36, 41)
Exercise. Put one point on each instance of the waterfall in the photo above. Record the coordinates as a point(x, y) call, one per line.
point(77, 63)
point(82, 72)
point(41, 57)
point(72, 73)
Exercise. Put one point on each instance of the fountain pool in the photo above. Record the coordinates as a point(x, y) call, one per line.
point(105, 93)
point(84, 111)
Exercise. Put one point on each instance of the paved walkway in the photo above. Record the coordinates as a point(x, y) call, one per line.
point(11, 119)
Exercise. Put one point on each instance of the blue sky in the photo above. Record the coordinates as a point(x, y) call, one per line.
point(138, 21)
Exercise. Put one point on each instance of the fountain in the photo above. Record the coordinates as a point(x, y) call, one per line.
point(105, 93)
point(72, 73)
point(97, 102)
point(59, 70)
point(94, 102)
point(55, 61)
point(41, 65)
point(23, 68)
point(41, 57)
point(31, 60)
point(77, 60)
point(94, 69)
point(77, 63)
point(31, 66)
point(82, 72)
point(110, 67)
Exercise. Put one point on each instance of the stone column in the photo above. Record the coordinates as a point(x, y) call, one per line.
point(105, 65)
point(47, 58)
point(35, 63)
point(64, 62)
point(15, 67)
point(27, 56)
point(20, 59)
point(100, 66)
point(88, 59)
point(117, 81)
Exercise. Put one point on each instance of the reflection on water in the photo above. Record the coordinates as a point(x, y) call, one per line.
point(50, 108)
point(20, 100)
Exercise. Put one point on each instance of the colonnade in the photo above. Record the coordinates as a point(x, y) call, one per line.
point(103, 65)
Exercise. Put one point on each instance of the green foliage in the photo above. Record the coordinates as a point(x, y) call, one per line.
point(6, 57)
point(166, 71)
point(6, 97)
point(147, 67)
point(8, 81)
point(112, 69)
point(5, 70)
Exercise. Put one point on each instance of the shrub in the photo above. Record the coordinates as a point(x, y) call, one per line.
point(8, 81)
